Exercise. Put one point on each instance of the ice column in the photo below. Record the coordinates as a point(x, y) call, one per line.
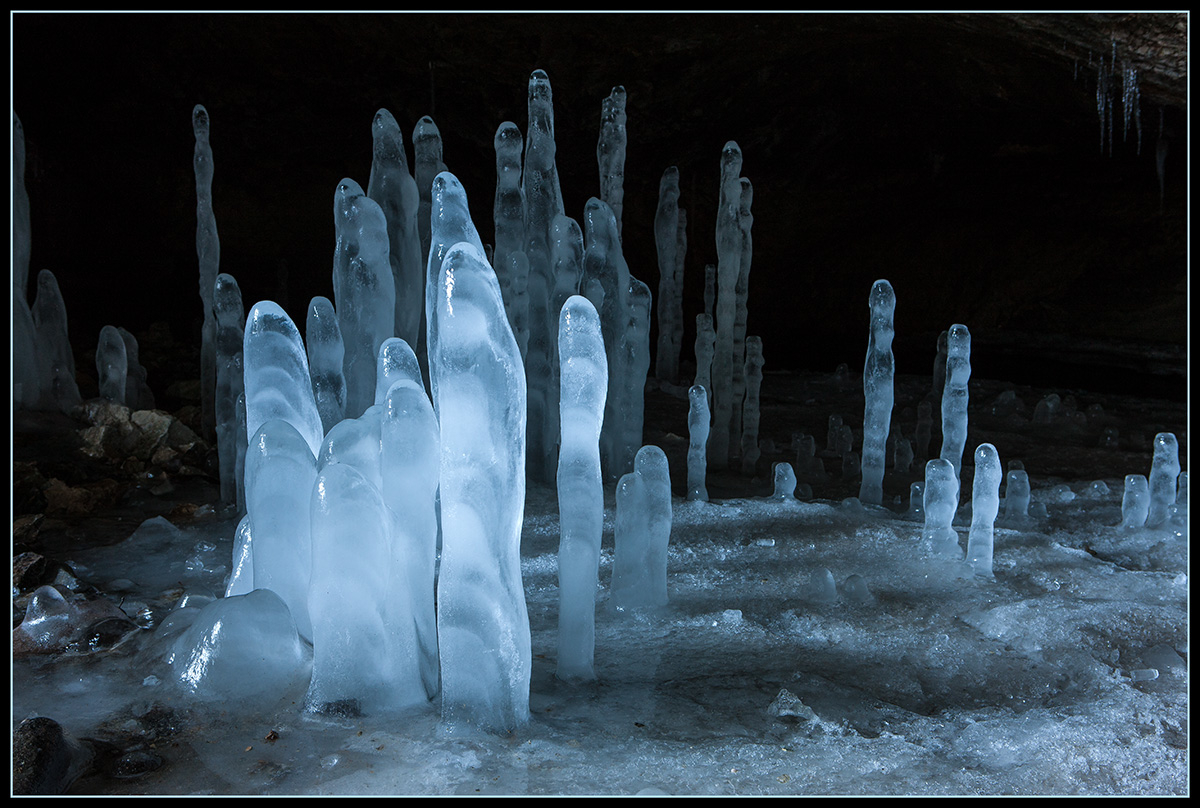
point(395, 191)
point(480, 399)
point(697, 457)
point(1164, 471)
point(610, 152)
point(706, 345)
point(111, 364)
point(667, 237)
point(1016, 495)
point(567, 272)
point(879, 374)
point(584, 378)
point(21, 234)
point(985, 505)
point(643, 531)
point(280, 471)
point(634, 348)
point(940, 504)
point(1135, 504)
point(508, 212)
point(750, 408)
point(785, 482)
point(410, 458)
point(451, 224)
point(742, 294)
point(50, 323)
point(364, 294)
point(276, 375)
point(954, 397)
point(326, 355)
point(427, 164)
point(729, 259)
point(137, 392)
point(230, 314)
point(208, 250)
point(710, 289)
point(347, 597)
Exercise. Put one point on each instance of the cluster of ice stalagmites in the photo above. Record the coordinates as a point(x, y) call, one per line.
point(584, 386)
point(879, 373)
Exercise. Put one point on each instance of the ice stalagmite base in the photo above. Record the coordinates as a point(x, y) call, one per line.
point(480, 399)
point(878, 379)
point(584, 385)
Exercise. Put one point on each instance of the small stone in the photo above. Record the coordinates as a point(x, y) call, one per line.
point(788, 707)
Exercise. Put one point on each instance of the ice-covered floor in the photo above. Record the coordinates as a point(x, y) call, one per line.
point(1037, 682)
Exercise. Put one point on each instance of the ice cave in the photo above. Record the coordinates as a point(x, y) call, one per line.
point(560, 477)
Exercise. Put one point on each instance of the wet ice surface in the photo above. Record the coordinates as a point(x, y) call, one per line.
point(1020, 685)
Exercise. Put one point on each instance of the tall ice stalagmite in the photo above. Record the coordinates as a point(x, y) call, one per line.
point(955, 396)
point(879, 374)
point(208, 251)
point(729, 261)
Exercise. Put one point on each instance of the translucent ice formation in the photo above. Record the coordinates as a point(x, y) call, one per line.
point(508, 213)
point(698, 427)
point(111, 364)
point(985, 505)
point(742, 294)
point(706, 344)
point(137, 392)
point(785, 482)
point(479, 387)
point(879, 373)
point(954, 397)
point(395, 191)
point(1164, 471)
point(643, 531)
point(276, 375)
point(364, 293)
point(326, 352)
point(610, 152)
point(427, 164)
point(667, 237)
point(634, 352)
point(1016, 495)
point(1135, 503)
point(230, 315)
point(584, 385)
point(50, 323)
point(729, 260)
point(208, 251)
point(940, 504)
point(397, 362)
point(750, 406)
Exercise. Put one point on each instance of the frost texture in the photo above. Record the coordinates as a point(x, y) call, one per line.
point(480, 399)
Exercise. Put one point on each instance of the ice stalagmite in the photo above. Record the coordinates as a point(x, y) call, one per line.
point(49, 314)
point(750, 407)
point(276, 375)
point(395, 191)
point(785, 482)
point(610, 152)
point(1164, 471)
point(710, 289)
point(985, 505)
point(364, 294)
point(955, 395)
point(326, 354)
point(729, 260)
point(451, 223)
point(31, 381)
point(706, 344)
point(137, 392)
point(111, 364)
point(230, 314)
point(411, 455)
point(879, 374)
point(643, 531)
point(427, 164)
point(584, 384)
point(670, 291)
point(698, 427)
point(356, 442)
point(543, 203)
point(397, 362)
point(1016, 495)
point(480, 400)
point(940, 504)
point(742, 296)
point(567, 272)
point(208, 250)
point(21, 234)
point(280, 472)
point(508, 212)
point(634, 350)
point(516, 304)
point(347, 596)
point(1135, 504)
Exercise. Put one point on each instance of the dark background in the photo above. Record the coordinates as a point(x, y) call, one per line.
point(958, 156)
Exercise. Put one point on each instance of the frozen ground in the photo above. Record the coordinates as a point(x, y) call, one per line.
point(1038, 682)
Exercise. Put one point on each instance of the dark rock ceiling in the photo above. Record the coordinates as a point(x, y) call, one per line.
point(957, 155)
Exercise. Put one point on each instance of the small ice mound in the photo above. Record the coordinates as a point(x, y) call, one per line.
point(788, 707)
point(240, 648)
point(821, 586)
point(1060, 494)
point(855, 589)
point(1098, 489)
